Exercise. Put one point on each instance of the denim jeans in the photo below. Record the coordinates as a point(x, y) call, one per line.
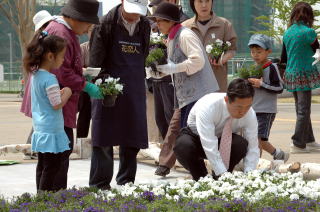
point(303, 132)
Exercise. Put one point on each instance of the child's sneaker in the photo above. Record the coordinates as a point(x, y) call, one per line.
point(281, 155)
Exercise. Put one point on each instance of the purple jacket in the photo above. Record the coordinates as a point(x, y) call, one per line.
point(70, 73)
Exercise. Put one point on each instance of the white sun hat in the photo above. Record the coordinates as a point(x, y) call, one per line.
point(136, 6)
point(40, 18)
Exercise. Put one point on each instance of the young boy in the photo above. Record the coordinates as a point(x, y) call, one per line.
point(266, 90)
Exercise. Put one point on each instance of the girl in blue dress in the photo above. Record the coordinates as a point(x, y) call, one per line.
point(43, 54)
point(300, 43)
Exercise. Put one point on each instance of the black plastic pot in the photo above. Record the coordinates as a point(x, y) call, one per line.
point(109, 101)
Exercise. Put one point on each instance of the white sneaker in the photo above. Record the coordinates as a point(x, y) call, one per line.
point(298, 150)
point(313, 145)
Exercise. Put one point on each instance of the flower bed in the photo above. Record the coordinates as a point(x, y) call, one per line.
point(256, 191)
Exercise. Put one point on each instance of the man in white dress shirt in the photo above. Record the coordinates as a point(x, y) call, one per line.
point(201, 139)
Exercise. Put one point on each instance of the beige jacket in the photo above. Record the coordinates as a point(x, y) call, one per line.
point(217, 28)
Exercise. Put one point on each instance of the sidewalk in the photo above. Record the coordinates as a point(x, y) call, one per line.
point(20, 178)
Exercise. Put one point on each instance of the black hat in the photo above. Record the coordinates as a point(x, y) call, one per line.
point(155, 3)
point(82, 10)
point(167, 11)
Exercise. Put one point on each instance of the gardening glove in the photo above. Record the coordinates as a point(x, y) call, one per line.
point(169, 68)
point(154, 74)
point(93, 90)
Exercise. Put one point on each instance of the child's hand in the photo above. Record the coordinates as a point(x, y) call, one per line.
point(66, 91)
point(255, 82)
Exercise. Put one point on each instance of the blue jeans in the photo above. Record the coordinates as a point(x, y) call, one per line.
point(303, 132)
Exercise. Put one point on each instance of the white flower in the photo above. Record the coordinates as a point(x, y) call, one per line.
point(228, 43)
point(176, 197)
point(109, 80)
point(213, 36)
point(119, 87)
point(98, 81)
point(294, 196)
point(219, 42)
point(208, 48)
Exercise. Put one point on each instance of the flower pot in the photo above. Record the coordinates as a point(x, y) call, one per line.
point(216, 58)
point(255, 77)
point(109, 101)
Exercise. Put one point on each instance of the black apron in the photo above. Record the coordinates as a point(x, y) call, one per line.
point(124, 124)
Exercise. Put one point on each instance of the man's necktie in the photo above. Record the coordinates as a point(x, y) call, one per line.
point(225, 142)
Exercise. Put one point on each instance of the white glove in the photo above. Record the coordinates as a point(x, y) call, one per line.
point(154, 74)
point(169, 68)
point(316, 56)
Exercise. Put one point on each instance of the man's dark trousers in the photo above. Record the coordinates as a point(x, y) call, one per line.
point(102, 157)
point(190, 154)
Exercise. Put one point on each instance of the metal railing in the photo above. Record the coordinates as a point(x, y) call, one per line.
point(12, 78)
point(235, 63)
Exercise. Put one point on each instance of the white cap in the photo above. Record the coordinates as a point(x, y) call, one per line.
point(40, 18)
point(136, 6)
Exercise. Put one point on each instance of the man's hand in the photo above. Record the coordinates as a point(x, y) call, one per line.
point(255, 82)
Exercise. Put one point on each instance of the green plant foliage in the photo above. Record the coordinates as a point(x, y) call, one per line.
point(252, 71)
point(155, 55)
point(218, 47)
point(109, 86)
point(278, 21)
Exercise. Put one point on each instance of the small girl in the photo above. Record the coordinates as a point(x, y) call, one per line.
point(44, 53)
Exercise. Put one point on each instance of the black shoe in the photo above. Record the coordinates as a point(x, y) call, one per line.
point(162, 171)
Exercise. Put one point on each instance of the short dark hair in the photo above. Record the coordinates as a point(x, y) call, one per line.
point(239, 88)
point(256, 46)
point(302, 11)
point(194, 9)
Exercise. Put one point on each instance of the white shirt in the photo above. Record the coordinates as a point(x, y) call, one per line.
point(207, 119)
point(130, 27)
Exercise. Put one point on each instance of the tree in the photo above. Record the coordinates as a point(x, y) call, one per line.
point(19, 13)
point(276, 24)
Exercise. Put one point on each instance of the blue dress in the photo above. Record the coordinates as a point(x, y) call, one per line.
point(49, 135)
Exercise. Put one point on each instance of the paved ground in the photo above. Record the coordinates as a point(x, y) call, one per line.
point(15, 127)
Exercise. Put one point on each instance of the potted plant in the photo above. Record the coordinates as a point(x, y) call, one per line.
point(157, 52)
point(256, 71)
point(252, 71)
point(217, 48)
point(110, 88)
